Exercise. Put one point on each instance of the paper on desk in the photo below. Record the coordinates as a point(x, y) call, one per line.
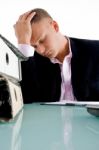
point(78, 103)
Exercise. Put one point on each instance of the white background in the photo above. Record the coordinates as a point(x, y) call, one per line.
point(76, 18)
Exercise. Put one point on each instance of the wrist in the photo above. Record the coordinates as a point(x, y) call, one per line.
point(23, 41)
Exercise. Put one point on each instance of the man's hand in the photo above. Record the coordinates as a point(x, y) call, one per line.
point(23, 29)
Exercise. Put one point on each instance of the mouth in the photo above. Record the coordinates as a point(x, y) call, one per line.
point(47, 54)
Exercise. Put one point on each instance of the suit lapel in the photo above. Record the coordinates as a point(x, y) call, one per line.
point(81, 66)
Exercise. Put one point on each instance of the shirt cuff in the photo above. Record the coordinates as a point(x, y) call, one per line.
point(26, 50)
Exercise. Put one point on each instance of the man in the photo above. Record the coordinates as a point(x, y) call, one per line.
point(61, 68)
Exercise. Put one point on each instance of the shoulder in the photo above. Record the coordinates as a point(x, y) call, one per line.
point(84, 46)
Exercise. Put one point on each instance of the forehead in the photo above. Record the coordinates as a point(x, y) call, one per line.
point(41, 25)
point(40, 28)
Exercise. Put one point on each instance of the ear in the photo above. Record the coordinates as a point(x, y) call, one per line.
point(55, 25)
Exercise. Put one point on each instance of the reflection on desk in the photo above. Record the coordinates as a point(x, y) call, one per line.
point(10, 133)
point(46, 127)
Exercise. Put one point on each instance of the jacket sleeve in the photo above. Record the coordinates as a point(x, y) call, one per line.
point(41, 80)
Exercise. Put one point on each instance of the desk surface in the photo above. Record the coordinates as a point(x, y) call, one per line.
point(44, 127)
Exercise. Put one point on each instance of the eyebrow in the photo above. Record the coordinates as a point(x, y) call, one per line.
point(38, 39)
point(34, 45)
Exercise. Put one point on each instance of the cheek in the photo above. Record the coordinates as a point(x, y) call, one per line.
point(51, 43)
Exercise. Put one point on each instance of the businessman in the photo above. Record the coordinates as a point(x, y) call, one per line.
point(61, 67)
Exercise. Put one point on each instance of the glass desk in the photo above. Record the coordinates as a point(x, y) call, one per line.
point(46, 127)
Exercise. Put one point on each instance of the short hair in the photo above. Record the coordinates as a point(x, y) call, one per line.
point(40, 14)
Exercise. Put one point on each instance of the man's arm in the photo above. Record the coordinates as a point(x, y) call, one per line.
point(26, 50)
point(23, 29)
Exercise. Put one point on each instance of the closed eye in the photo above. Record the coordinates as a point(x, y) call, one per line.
point(35, 46)
point(41, 41)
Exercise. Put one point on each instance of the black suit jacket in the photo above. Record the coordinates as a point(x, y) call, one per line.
point(41, 79)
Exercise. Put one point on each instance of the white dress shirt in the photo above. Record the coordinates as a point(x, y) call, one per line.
point(26, 50)
point(66, 86)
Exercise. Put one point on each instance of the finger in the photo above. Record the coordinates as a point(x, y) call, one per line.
point(20, 17)
point(24, 16)
point(30, 16)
